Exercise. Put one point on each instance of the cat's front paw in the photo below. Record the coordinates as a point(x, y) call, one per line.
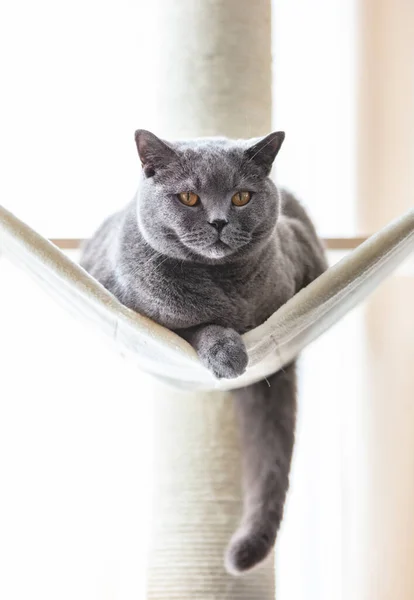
point(226, 357)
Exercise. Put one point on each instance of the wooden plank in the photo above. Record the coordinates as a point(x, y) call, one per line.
point(67, 243)
point(349, 243)
point(336, 243)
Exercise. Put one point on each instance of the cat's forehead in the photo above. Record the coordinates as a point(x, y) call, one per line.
point(210, 150)
point(211, 160)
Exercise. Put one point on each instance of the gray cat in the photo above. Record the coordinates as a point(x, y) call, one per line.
point(210, 248)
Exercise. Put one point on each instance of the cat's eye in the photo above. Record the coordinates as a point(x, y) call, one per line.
point(188, 198)
point(241, 198)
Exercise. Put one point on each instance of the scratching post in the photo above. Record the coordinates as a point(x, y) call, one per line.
point(214, 78)
point(213, 66)
point(197, 501)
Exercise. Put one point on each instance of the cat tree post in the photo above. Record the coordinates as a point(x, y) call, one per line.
point(213, 65)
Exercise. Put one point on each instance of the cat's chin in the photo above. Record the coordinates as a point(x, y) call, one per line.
point(217, 251)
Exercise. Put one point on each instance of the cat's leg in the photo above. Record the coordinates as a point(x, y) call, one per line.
point(266, 412)
point(220, 349)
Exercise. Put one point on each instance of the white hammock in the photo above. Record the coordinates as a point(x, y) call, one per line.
point(162, 353)
point(197, 509)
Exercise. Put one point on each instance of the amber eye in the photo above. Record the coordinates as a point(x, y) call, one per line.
point(241, 198)
point(188, 198)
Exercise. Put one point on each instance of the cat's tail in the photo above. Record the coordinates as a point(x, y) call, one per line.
point(266, 413)
point(252, 543)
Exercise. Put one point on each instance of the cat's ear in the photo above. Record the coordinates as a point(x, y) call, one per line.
point(153, 152)
point(264, 152)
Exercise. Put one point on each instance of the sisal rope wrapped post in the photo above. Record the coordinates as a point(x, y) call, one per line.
point(214, 78)
point(196, 504)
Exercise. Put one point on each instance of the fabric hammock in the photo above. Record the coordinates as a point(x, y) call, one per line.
point(195, 510)
point(162, 353)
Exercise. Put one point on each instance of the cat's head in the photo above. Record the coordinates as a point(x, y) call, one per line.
point(209, 199)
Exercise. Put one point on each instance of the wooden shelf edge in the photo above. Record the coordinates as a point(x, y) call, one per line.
point(330, 243)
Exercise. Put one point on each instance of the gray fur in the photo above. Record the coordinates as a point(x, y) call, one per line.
point(166, 261)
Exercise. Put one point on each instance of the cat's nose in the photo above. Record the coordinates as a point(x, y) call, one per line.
point(219, 224)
